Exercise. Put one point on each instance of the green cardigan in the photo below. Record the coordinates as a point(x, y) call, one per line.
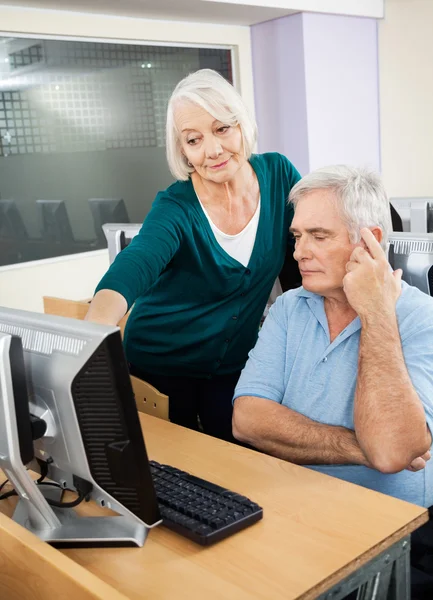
point(197, 310)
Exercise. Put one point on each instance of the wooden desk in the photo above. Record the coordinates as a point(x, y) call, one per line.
point(316, 530)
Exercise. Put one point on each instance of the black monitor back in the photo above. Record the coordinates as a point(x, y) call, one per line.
point(11, 222)
point(111, 431)
point(21, 399)
point(107, 210)
point(55, 225)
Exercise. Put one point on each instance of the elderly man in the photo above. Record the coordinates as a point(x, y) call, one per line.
point(341, 378)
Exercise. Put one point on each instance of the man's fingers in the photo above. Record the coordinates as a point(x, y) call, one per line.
point(397, 275)
point(359, 255)
point(372, 244)
point(351, 266)
point(417, 464)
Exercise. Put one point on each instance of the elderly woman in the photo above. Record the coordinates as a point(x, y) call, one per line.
point(199, 273)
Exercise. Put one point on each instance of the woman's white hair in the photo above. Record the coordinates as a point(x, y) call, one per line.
point(219, 98)
point(360, 197)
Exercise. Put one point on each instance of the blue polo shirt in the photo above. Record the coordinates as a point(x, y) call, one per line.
point(295, 364)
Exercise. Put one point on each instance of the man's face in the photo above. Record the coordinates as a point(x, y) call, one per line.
point(322, 243)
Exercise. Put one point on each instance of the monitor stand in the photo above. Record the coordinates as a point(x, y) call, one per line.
point(74, 530)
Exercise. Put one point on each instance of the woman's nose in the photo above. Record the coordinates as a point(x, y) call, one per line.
point(213, 148)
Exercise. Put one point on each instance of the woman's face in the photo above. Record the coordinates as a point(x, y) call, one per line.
point(213, 148)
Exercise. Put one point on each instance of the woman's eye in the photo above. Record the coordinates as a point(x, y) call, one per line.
point(192, 141)
point(223, 129)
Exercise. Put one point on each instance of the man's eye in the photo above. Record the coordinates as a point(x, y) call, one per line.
point(320, 238)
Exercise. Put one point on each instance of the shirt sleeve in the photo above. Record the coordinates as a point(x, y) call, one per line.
point(264, 373)
point(139, 265)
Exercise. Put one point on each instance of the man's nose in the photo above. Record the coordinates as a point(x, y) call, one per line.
point(301, 249)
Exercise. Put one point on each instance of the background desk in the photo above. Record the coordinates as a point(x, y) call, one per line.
point(316, 530)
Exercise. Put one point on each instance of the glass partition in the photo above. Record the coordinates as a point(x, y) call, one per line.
point(82, 127)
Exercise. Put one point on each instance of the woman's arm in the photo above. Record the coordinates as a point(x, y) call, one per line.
point(107, 307)
point(139, 265)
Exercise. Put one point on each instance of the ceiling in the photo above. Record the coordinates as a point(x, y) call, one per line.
point(173, 10)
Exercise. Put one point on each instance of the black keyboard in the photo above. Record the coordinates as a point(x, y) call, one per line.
point(199, 510)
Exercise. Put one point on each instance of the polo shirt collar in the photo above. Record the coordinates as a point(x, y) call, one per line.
point(316, 306)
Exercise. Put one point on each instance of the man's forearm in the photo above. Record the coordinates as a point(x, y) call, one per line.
point(389, 417)
point(286, 434)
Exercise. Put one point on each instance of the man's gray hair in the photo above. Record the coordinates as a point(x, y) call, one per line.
point(218, 97)
point(360, 197)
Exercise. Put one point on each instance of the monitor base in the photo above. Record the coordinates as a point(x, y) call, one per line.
point(79, 531)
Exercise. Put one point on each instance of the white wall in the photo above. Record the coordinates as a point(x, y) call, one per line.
point(357, 8)
point(406, 97)
point(76, 277)
point(73, 277)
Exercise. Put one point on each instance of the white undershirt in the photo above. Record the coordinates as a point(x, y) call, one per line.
point(239, 246)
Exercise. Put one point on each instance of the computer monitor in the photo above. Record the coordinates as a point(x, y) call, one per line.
point(413, 253)
point(416, 213)
point(119, 235)
point(55, 225)
point(107, 210)
point(11, 222)
point(78, 386)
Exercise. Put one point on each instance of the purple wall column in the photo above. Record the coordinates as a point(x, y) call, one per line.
point(279, 86)
point(316, 89)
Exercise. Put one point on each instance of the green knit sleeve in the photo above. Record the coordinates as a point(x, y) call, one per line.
point(139, 265)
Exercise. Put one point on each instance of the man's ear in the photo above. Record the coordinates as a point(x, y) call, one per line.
point(377, 232)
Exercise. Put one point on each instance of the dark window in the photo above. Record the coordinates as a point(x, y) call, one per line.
point(82, 138)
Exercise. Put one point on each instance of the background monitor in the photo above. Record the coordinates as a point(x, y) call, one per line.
point(55, 225)
point(78, 384)
point(107, 210)
point(413, 253)
point(416, 213)
point(119, 235)
point(11, 222)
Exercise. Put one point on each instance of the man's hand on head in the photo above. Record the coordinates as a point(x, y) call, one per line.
point(369, 285)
